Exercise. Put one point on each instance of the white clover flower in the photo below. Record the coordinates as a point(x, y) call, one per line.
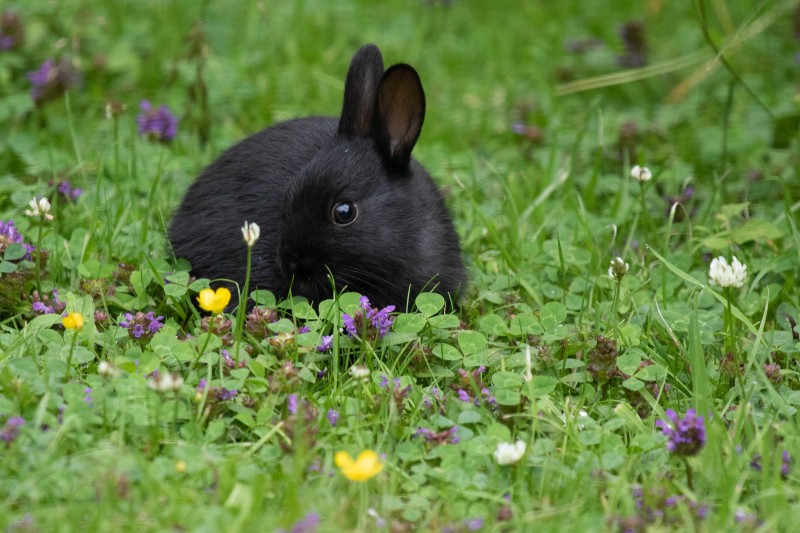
point(725, 275)
point(165, 382)
point(641, 174)
point(107, 369)
point(508, 453)
point(359, 371)
point(251, 232)
point(39, 207)
point(618, 269)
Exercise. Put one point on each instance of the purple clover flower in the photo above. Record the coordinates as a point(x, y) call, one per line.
point(10, 430)
point(224, 394)
point(142, 325)
point(87, 396)
point(445, 436)
point(51, 80)
point(157, 124)
point(291, 404)
point(44, 305)
point(9, 234)
point(307, 524)
point(326, 343)
point(12, 31)
point(333, 417)
point(686, 436)
point(68, 191)
point(370, 321)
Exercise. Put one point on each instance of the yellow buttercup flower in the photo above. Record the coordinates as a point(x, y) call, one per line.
point(73, 321)
point(214, 301)
point(366, 466)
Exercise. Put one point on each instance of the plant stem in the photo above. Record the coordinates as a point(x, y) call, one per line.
point(39, 256)
point(69, 357)
point(243, 304)
point(689, 479)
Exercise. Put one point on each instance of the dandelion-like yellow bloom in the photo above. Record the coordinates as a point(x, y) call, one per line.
point(365, 467)
point(214, 301)
point(73, 321)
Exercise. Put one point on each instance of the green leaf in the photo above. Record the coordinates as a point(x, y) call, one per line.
point(629, 362)
point(262, 297)
point(304, 311)
point(7, 267)
point(552, 314)
point(507, 397)
point(525, 325)
point(429, 303)
point(493, 325)
point(408, 323)
point(448, 321)
point(542, 386)
point(507, 380)
point(471, 342)
point(469, 417)
point(633, 384)
point(14, 251)
point(447, 352)
point(174, 290)
point(756, 230)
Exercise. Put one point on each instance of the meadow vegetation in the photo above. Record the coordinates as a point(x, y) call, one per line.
point(624, 179)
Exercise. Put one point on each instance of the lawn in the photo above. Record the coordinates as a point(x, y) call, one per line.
point(624, 177)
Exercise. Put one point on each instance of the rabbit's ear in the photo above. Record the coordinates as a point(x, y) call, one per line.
point(400, 113)
point(360, 89)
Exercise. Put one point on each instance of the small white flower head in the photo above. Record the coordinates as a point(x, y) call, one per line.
point(641, 174)
point(107, 369)
point(528, 374)
point(508, 453)
point(725, 275)
point(39, 207)
point(165, 382)
point(251, 232)
point(359, 371)
point(618, 269)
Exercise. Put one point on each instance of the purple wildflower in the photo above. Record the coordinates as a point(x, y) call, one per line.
point(444, 436)
point(157, 124)
point(201, 385)
point(9, 234)
point(51, 80)
point(68, 191)
point(370, 322)
point(463, 396)
point(12, 32)
point(225, 394)
point(686, 436)
point(10, 431)
point(291, 404)
point(786, 463)
point(307, 524)
point(326, 343)
point(44, 305)
point(350, 324)
point(87, 396)
point(141, 325)
point(333, 417)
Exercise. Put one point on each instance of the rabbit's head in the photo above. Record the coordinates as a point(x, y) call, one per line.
point(362, 214)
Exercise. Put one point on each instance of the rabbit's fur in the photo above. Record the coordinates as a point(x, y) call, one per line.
point(303, 180)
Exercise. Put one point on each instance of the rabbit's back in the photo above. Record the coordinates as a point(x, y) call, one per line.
point(247, 183)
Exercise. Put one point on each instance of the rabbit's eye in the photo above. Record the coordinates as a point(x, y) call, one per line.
point(344, 213)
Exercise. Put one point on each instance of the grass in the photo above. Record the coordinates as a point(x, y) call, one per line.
point(532, 142)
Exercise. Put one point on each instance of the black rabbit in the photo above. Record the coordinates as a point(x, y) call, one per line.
point(341, 198)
